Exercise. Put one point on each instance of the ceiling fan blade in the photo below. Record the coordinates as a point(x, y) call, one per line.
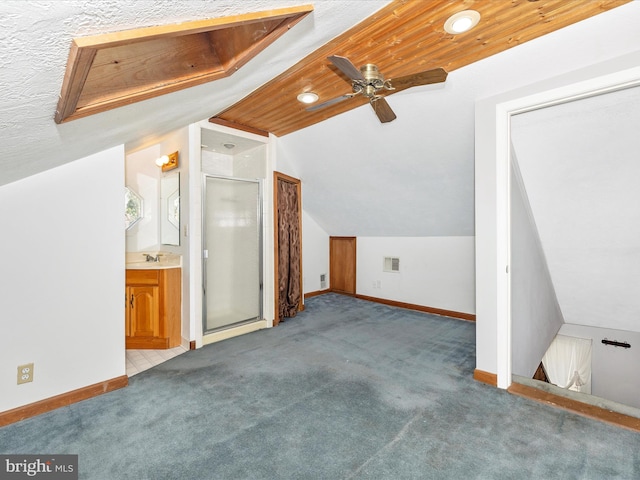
point(383, 110)
point(329, 102)
point(437, 75)
point(346, 67)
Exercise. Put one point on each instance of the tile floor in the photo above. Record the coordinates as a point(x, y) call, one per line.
point(140, 360)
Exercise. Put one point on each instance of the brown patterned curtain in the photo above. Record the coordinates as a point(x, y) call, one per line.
point(288, 250)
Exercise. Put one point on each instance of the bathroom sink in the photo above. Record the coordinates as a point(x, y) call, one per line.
point(166, 261)
point(150, 265)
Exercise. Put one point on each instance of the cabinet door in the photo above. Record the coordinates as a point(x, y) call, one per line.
point(144, 319)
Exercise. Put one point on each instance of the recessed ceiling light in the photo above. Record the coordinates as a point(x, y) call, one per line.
point(462, 22)
point(307, 97)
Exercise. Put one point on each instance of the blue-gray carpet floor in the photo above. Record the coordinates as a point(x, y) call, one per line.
point(348, 389)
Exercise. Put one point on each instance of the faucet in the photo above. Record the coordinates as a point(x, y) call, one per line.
point(151, 258)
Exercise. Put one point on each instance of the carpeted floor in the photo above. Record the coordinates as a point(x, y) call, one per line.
point(348, 389)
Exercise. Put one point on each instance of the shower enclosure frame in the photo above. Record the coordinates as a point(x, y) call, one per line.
point(204, 251)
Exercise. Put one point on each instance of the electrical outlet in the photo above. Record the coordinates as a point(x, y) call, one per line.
point(25, 373)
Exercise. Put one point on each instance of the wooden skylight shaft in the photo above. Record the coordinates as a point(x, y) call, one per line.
point(115, 69)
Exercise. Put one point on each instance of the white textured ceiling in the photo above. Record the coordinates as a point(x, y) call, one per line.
point(35, 37)
point(581, 170)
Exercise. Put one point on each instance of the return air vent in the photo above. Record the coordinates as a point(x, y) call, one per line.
point(391, 264)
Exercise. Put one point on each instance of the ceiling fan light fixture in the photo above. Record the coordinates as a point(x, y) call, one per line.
point(308, 97)
point(461, 22)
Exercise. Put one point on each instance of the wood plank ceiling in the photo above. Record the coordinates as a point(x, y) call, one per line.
point(403, 38)
point(115, 69)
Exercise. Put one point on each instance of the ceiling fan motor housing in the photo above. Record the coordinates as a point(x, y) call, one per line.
point(373, 77)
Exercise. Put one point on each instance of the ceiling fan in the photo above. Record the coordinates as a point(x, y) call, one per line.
point(368, 81)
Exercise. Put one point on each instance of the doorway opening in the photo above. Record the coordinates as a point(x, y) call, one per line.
point(287, 193)
point(342, 265)
point(572, 234)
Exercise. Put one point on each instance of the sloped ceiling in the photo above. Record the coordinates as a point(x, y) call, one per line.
point(35, 37)
point(415, 175)
point(580, 168)
point(403, 38)
point(411, 177)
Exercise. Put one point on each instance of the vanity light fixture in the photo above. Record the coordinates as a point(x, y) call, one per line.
point(461, 22)
point(168, 162)
point(307, 97)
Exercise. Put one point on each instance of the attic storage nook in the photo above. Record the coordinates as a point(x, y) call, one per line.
point(116, 69)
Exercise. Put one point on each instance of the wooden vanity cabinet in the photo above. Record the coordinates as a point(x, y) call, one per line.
point(153, 308)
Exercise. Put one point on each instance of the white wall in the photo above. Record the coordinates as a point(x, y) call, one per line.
point(346, 194)
point(194, 235)
point(62, 281)
point(315, 254)
point(436, 272)
point(215, 163)
point(535, 314)
point(251, 164)
point(179, 141)
point(490, 269)
point(579, 162)
point(142, 176)
point(493, 348)
point(287, 159)
point(614, 370)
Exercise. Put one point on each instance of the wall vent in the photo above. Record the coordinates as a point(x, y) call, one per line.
point(323, 280)
point(391, 264)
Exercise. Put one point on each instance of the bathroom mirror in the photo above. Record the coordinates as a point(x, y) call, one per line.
point(170, 209)
point(132, 208)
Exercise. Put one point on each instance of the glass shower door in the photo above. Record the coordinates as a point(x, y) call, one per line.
point(232, 252)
